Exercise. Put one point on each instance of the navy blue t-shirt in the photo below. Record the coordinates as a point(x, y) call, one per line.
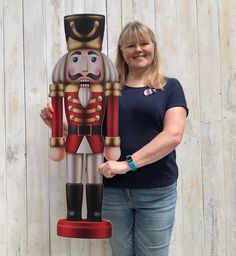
point(140, 120)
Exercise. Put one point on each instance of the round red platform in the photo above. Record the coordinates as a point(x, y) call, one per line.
point(84, 229)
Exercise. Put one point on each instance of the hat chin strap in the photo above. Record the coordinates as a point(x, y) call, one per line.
point(90, 34)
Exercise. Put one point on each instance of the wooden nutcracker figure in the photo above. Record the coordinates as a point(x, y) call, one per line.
point(86, 80)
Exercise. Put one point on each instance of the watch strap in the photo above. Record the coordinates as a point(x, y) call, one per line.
point(131, 163)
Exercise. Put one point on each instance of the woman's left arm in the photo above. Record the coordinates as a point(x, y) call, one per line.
point(163, 144)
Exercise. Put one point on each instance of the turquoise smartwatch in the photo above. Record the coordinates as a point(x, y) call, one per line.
point(131, 163)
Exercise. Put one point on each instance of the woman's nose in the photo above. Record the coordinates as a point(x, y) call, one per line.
point(138, 48)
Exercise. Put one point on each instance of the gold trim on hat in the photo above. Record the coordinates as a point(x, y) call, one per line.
point(90, 34)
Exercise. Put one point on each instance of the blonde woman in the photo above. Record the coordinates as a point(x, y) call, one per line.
point(140, 188)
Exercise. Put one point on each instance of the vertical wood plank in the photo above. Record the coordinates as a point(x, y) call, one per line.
point(113, 26)
point(167, 41)
point(214, 206)
point(144, 12)
point(211, 128)
point(15, 130)
point(227, 19)
point(127, 12)
point(3, 227)
point(74, 7)
point(56, 47)
point(190, 158)
point(37, 164)
point(167, 35)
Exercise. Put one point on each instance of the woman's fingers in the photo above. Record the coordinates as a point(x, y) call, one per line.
point(106, 170)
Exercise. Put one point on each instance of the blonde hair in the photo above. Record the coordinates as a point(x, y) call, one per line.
point(137, 31)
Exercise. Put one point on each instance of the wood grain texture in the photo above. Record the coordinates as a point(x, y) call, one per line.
point(16, 234)
point(227, 19)
point(190, 161)
point(35, 94)
point(197, 41)
point(3, 184)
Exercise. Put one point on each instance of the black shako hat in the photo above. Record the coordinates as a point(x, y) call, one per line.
point(84, 31)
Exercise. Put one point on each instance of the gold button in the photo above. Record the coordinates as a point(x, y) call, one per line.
point(99, 98)
point(97, 117)
point(70, 108)
point(69, 98)
point(72, 117)
point(99, 108)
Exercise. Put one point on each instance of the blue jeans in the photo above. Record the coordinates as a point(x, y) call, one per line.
point(142, 220)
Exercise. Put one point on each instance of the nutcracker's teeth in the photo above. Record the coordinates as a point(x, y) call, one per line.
point(84, 82)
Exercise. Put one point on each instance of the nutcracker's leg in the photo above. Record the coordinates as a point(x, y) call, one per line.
point(74, 187)
point(94, 187)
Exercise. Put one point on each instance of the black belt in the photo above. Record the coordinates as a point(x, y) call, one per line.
point(84, 130)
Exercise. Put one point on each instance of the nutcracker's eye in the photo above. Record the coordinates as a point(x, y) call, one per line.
point(75, 58)
point(93, 59)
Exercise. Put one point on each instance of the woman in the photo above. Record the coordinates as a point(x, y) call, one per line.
point(140, 188)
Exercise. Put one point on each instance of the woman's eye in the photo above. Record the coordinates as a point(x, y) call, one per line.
point(93, 59)
point(144, 44)
point(75, 59)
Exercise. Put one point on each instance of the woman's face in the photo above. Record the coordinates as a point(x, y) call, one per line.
point(138, 54)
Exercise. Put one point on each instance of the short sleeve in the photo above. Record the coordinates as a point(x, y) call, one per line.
point(176, 97)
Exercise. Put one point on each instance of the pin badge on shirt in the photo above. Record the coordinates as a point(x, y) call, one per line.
point(149, 91)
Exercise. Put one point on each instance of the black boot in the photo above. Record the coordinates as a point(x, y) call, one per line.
point(94, 195)
point(74, 197)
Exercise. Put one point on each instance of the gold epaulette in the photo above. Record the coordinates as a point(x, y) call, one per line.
point(112, 89)
point(56, 90)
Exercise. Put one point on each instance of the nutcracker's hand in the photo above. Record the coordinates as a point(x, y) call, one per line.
point(111, 153)
point(57, 153)
point(46, 114)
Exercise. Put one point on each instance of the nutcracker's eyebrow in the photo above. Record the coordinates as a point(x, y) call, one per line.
point(92, 52)
point(77, 52)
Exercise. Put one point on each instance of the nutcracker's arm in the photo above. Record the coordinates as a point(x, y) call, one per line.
point(57, 94)
point(112, 139)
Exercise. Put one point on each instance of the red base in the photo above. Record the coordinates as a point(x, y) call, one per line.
point(84, 229)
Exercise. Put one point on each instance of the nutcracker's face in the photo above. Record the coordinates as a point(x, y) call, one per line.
point(84, 64)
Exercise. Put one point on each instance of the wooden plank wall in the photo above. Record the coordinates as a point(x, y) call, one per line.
point(197, 40)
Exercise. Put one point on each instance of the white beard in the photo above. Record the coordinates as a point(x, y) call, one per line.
point(84, 96)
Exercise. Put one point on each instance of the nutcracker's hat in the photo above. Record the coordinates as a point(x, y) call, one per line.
point(84, 31)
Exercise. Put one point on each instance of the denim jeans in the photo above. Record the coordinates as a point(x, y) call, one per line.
point(142, 220)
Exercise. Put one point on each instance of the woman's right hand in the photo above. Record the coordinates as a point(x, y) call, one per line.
point(46, 114)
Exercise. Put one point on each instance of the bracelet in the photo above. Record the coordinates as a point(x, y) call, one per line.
point(131, 163)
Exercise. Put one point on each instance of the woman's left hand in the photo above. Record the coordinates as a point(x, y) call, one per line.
point(111, 168)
